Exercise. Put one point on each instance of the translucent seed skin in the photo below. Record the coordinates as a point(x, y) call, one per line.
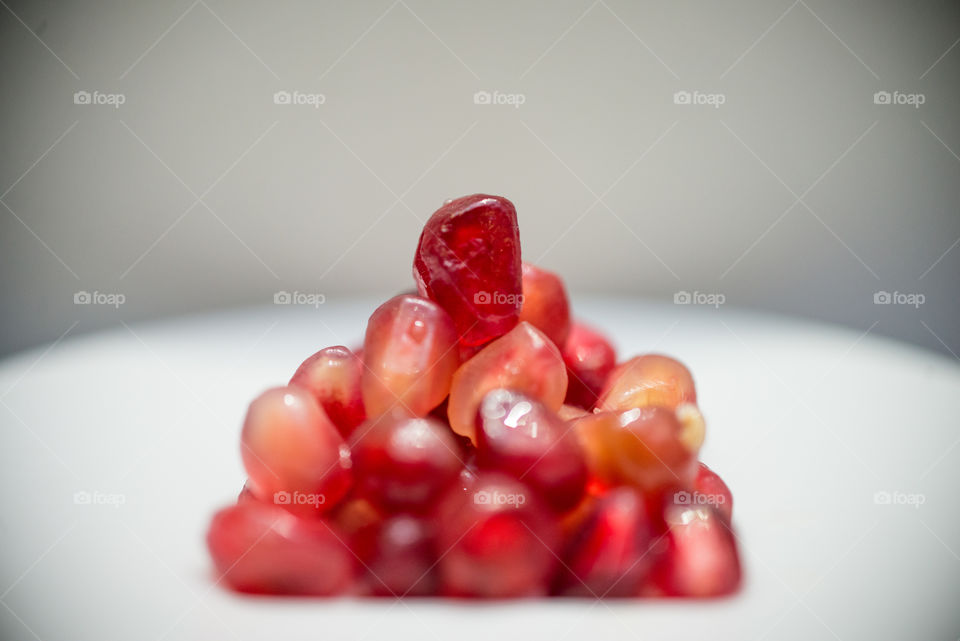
point(700, 557)
point(468, 261)
point(523, 360)
point(545, 303)
point(333, 375)
point(590, 359)
point(645, 381)
point(410, 355)
point(292, 452)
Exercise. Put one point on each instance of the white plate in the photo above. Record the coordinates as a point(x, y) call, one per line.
point(806, 423)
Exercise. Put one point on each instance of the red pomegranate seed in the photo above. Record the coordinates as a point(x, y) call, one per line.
point(499, 541)
point(399, 558)
point(710, 489)
point(611, 554)
point(410, 353)
point(700, 557)
point(468, 260)
point(545, 304)
point(590, 358)
point(647, 380)
point(519, 436)
point(642, 447)
point(332, 375)
point(260, 548)
point(523, 360)
point(404, 463)
point(292, 452)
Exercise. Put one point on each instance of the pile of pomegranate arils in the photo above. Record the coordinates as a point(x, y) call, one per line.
point(479, 444)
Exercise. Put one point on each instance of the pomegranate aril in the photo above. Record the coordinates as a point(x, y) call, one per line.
point(404, 463)
point(468, 261)
point(640, 447)
point(410, 353)
point(519, 436)
point(523, 360)
point(292, 452)
point(590, 358)
point(545, 304)
point(500, 541)
point(700, 556)
point(709, 488)
point(332, 375)
point(261, 548)
point(611, 554)
point(645, 381)
point(399, 558)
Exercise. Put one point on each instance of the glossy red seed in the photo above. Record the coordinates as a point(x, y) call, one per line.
point(404, 463)
point(645, 381)
point(260, 548)
point(641, 447)
point(611, 554)
point(410, 353)
point(523, 360)
point(332, 375)
point(700, 557)
point(710, 489)
point(292, 452)
point(468, 260)
point(545, 304)
point(500, 541)
point(517, 435)
point(590, 358)
point(398, 557)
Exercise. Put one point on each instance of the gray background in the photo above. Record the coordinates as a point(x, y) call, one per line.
point(797, 195)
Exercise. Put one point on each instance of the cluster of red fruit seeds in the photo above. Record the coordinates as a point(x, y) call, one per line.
point(479, 444)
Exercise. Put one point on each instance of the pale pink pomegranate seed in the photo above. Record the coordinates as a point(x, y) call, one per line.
point(260, 548)
point(410, 353)
point(700, 557)
point(468, 260)
point(590, 358)
point(332, 375)
point(545, 304)
point(523, 360)
point(711, 489)
point(642, 447)
point(292, 452)
point(645, 381)
point(519, 436)
point(499, 541)
point(611, 553)
point(404, 463)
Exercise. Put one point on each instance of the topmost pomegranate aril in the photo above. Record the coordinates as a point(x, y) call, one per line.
point(468, 261)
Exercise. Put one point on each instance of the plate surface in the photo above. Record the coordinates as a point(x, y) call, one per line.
point(840, 448)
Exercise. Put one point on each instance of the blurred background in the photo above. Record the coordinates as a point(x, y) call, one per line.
point(168, 158)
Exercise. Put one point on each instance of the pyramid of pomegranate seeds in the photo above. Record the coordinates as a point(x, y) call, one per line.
point(480, 444)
